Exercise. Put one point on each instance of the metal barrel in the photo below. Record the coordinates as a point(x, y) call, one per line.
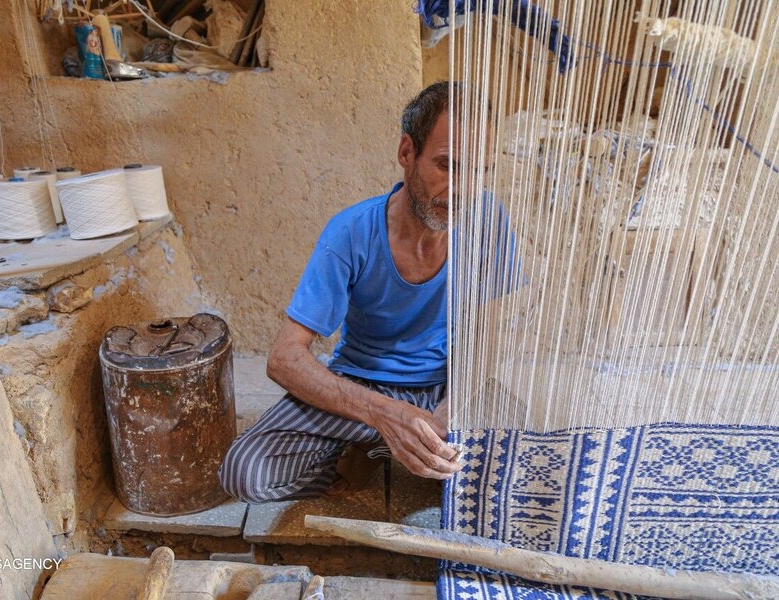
point(171, 412)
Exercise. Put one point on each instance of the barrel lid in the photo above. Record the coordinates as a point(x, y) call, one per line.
point(166, 343)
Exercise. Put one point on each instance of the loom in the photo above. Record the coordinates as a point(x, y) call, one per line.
point(613, 291)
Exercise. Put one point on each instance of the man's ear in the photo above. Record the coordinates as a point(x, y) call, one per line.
point(406, 152)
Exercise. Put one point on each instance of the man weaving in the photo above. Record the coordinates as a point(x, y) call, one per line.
point(378, 269)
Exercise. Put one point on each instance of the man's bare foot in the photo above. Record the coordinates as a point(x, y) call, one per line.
point(356, 469)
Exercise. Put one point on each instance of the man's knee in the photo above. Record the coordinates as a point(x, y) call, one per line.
point(252, 472)
point(244, 471)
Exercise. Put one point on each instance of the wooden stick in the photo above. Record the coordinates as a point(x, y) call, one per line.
point(251, 44)
point(547, 567)
point(160, 564)
point(315, 590)
point(110, 52)
point(251, 16)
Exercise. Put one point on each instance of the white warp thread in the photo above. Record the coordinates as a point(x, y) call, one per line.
point(146, 188)
point(25, 210)
point(97, 204)
point(25, 172)
point(50, 179)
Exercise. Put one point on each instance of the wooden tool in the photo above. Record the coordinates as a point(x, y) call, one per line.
point(315, 590)
point(255, 12)
point(109, 48)
point(547, 567)
point(160, 564)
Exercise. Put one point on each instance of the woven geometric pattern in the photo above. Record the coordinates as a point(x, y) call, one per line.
point(671, 496)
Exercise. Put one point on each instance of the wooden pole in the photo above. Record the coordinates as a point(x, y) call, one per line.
point(248, 23)
point(250, 44)
point(315, 590)
point(160, 564)
point(547, 567)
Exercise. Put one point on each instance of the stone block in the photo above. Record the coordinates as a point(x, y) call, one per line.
point(242, 557)
point(286, 590)
point(37, 266)
point(97, 577)
point(223, 521)
point(359, 588)
point(67, 297)
point(61, 514)
point(18, 309)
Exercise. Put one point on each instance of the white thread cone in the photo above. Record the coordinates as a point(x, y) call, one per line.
point(25, 210)
point(97, 204)
point(50, 179)
point(147, 191)
point(67, 173)
point(25, 172)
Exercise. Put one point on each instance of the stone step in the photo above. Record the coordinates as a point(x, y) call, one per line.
point(225, 520)
point(413, 501)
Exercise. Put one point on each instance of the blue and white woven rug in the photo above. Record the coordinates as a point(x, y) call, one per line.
point(671, 496)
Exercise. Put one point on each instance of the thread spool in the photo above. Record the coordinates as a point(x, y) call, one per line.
point(146, 188)
point(26, 209)
point(25, 172)
point(97, 204)
point(67, 173)
point(50, 179)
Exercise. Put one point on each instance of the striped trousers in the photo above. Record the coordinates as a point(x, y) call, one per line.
point(292, 451)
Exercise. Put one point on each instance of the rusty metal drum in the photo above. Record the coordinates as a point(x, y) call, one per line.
point(171, 412)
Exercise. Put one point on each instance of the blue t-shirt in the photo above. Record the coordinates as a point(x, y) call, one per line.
point(393, 331)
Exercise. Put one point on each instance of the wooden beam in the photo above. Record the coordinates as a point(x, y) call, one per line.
point(547, 567)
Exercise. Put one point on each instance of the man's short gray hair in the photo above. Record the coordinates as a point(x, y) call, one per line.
point(421, 114)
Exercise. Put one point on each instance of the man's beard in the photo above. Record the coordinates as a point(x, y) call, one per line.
point(421, 205)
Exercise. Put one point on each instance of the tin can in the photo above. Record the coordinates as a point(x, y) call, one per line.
point(171, 412)
point(90, 51)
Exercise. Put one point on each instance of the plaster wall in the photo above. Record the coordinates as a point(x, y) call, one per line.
point(51, 375)
point(255, 166)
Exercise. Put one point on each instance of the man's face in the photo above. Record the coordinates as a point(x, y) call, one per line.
point(427, 177)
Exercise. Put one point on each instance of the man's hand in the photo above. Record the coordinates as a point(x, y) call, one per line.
point(415, 437)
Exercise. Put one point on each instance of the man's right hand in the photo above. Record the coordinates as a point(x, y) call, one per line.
point(415, 437)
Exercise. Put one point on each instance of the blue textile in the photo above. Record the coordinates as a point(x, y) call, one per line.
point(393, 331)
point(671, 496)
point(524, 15)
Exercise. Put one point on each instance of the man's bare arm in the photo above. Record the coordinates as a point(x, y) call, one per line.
point(413, 435)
